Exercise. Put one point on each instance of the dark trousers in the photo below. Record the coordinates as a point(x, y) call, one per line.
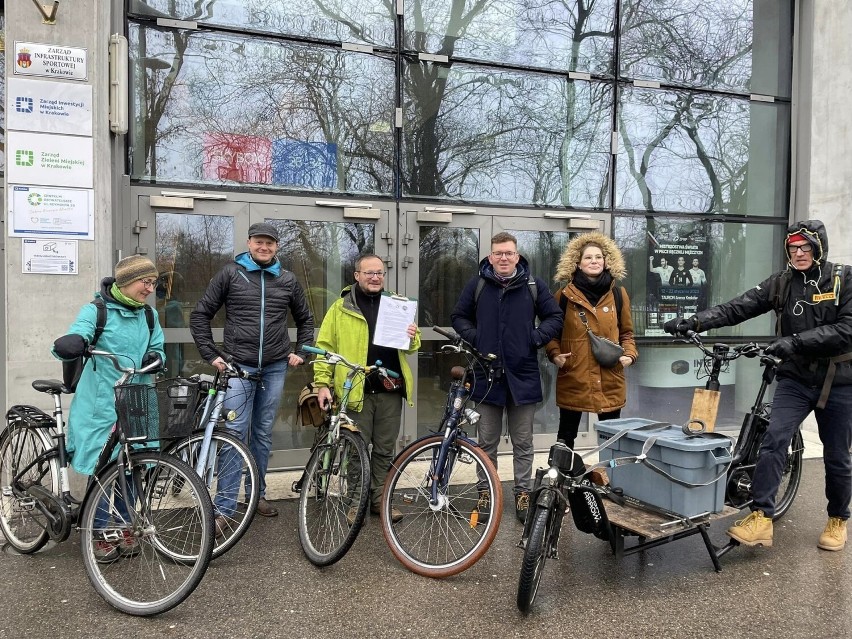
point(569, 424)
point(793, 402)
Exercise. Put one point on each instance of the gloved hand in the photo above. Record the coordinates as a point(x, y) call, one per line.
point(150, 358)
point(783, 347)
point(680, 325)
point(70, 346)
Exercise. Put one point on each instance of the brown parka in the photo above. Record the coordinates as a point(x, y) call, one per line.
point(582, 384)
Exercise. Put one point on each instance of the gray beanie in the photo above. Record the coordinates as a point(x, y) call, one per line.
point(135, 267)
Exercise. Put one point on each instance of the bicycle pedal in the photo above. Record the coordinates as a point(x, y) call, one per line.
point(408, 498)
point(296, 487)
point(465, 458)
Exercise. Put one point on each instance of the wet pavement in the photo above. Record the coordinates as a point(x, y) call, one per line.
point(266, 588)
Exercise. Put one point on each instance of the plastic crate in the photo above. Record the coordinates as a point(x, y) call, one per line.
point(164, 410)
point(696, 460)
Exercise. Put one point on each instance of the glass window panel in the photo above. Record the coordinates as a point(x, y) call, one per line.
point(358, 21)
point(223, 109)
point(698, 153)
point(569, 35)
point(737, 45)
point(449, 257)
point(322, 256)
point(504, 136)
point(723, 260)
point(3, 97)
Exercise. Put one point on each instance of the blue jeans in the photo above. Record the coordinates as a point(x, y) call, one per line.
point(792, 403)
point(255, 404)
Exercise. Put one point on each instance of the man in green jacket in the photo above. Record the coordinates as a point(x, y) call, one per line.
point(376, 405)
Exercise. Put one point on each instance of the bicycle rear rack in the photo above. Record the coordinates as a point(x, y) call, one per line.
point(31, 416)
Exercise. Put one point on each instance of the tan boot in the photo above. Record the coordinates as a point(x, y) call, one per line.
point(754, 530)
point(834, 535)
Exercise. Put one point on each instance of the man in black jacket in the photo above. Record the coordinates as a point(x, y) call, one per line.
point(257, 294)
point(813, 301)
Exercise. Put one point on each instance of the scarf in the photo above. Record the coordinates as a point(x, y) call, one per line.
point(592, 290)
point(121, 298)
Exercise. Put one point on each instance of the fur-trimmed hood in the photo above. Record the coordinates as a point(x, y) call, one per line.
point(570, 260)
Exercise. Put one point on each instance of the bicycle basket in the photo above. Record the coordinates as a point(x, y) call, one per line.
point(164, 410)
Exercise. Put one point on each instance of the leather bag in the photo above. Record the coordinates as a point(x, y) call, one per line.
point(605, 351)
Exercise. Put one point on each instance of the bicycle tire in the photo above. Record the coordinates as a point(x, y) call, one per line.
point(334, 498)
point(226, 452)
point(22, 524)
point(791, 476)
point(446, 540)
point(535, 555)
point(172, 534)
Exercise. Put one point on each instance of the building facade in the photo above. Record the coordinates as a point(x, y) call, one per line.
point(692, 131)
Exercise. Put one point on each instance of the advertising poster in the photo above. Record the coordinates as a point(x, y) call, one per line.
point(237, 158)
point(310, 164)
point(49, 212)
point(53, 160)
point(49, 107)
point(677, 280)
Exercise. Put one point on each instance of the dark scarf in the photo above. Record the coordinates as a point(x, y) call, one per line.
point(592, 290)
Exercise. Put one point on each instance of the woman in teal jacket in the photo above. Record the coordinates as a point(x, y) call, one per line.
point(125, 333)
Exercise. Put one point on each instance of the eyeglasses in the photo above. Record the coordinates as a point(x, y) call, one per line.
point(507, 254)
point(804, 248)
point(149, 283)
point(372, 273)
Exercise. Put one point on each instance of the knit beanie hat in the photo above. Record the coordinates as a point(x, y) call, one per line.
point(135, 267)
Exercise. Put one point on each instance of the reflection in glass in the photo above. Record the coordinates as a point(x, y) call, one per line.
point(322, 257)
point(190, 250)
point(211, 108)
point(505, 136)
point(449, 257)
point(568, 35)
point(737, 45)
point(696, 153)
point(358, 21)
point(732, 258)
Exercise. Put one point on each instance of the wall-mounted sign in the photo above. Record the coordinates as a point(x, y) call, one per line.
point(52, 160)
point(50, 61)
point(49, 256)
point(47, 212)
point(49, 107)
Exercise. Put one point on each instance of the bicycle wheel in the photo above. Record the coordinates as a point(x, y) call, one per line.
point(791, 476)
point(535, 555)
point(334, 498)
point(449, 537)
point(231, 476)
point(147, 556)
point(23, 525)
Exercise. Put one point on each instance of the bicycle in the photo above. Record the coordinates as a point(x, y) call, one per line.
point(144, 549)
point(439, 483)
point(567, 484)
point(334, 489)
point(222, 460)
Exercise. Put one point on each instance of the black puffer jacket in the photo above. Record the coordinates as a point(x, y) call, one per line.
point(257, 301)
point(805, 304)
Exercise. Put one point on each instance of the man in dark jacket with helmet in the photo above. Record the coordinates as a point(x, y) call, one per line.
point(497, 313)
point(257, 294)
point(813, 301)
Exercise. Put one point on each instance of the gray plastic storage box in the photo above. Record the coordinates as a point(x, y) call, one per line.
point(696, 460)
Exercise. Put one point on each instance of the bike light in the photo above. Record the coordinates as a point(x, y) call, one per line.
point(552, 473)
point(231, 416)
point(471, 415)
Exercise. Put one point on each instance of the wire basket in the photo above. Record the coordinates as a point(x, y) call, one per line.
point(149, 412)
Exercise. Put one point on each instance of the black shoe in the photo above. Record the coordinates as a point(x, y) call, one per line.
point(483, 506)
point(396, 514)
point(265, 509)
point(522, 505)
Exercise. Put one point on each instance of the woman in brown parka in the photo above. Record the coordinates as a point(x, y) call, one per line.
point(591, 265)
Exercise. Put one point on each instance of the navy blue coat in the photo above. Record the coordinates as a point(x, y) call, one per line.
point(502, 322)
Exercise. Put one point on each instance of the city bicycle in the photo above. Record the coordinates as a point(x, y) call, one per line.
point(221, 458)
point(334, 490)
point(145, 548)
point(445, 486)
point(568, 485)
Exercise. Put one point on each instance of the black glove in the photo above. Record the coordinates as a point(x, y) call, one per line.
point(70, 346)
point(783, 347)
point(150, 358)
point(680, 326)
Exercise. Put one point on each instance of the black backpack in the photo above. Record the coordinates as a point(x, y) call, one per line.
point(100, 322)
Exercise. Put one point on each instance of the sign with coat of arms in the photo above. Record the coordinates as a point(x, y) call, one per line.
point(51, 61)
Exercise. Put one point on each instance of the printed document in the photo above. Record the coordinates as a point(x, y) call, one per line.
point(395, 314)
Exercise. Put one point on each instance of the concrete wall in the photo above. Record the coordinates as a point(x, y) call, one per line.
point(38, 308)
point(824, 138)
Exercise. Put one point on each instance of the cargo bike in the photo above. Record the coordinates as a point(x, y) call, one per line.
point(677, 480)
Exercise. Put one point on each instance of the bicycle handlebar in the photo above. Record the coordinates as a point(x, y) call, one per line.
point(328, 357)
point(462, 343)
point(127, 370)
point(726, 353)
